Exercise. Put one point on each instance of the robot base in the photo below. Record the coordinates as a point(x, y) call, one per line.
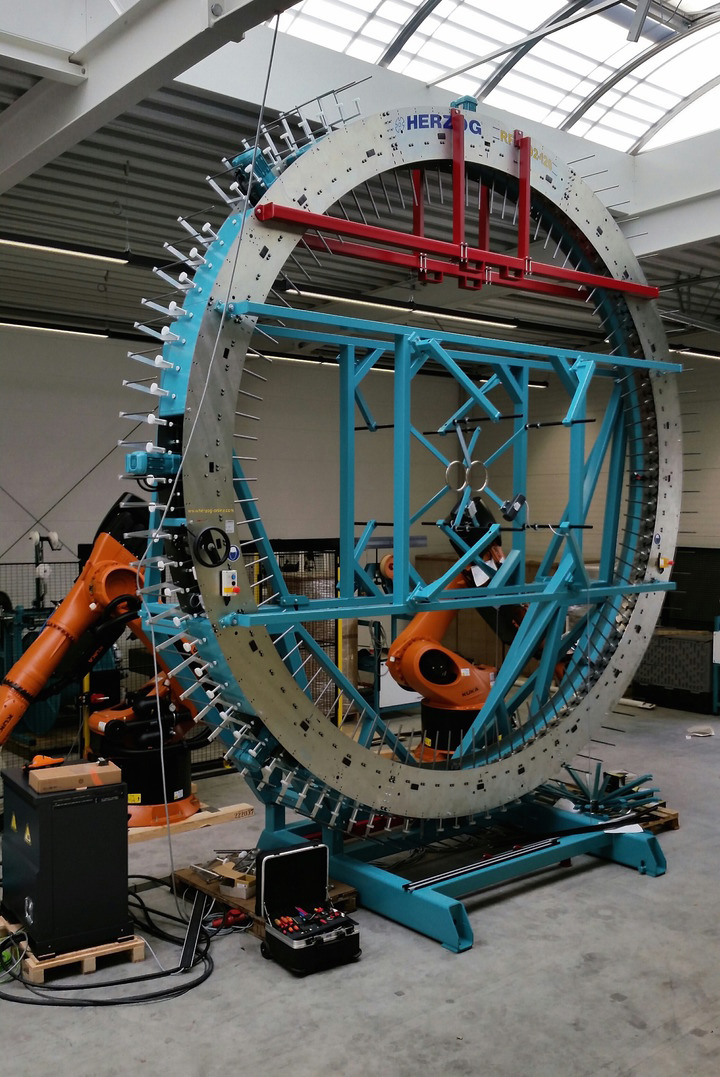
point(152, 801)
point(160, 814)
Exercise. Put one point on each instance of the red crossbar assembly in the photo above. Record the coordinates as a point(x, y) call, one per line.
point(433, 259)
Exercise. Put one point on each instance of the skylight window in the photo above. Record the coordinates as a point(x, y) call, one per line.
point(586, 76)
point(692, 7)
point(362, 49)
point(696, 119)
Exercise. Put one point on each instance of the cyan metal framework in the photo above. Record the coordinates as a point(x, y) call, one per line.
point(249, 678)
point(484, 369)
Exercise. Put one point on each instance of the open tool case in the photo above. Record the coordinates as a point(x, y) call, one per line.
point(303, 931)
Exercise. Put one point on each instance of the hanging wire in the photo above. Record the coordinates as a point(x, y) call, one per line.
point(177, 477)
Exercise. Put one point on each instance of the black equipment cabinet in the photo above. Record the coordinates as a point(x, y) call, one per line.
point(303, 931)
point(65, 864)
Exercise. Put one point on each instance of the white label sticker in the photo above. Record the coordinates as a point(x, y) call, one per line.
point(479, 575)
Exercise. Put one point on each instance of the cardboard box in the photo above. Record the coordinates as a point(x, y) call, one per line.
point(233, 883)
point(73, 776)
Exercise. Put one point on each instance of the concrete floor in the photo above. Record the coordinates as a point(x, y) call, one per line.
point(589, 970)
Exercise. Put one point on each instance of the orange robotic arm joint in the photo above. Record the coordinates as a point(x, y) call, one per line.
point(108, 583)
point(418, 661)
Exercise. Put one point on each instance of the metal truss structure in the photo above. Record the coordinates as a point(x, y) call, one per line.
point(332, 757)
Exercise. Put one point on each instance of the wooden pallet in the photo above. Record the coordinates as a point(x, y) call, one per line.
point(34, 968)
point(661, 818)
point(343, 897)
point(8, 928)
point(206, 817)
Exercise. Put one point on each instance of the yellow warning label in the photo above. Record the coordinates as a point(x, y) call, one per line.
point(13, 822)
point(134, 798)
point(28, 839)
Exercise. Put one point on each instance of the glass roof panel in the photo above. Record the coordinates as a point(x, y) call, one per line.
point(420, 69)
point(663, 82)
point(691, 7)
point(527, 107)
point(549, 78)
point(693, 120)
point(362, 49)
point(567, 51)
point(690, 64)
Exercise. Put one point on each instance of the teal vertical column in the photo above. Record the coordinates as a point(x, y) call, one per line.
point(347, 472)
point(152, 575)
point(401, 471)
point(521, 377)
point(613, 500)
point(583, 370)
point(576, 500)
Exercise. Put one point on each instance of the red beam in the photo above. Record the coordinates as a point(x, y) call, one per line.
point(418, 202)
point(272, 211)
point(522, 144)
point(433, 269)
point(452, 252)
point(484, 218)
point(457, 120)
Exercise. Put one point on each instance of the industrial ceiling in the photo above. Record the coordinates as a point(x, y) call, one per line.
point(117, 191)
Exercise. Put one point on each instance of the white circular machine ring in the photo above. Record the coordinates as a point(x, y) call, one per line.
point(253, 256)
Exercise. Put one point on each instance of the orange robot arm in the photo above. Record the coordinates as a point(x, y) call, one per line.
point(418, 661)
point(107, 584)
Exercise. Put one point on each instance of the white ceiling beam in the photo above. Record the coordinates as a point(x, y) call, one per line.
point(38, 58)
point(641, 13)
point(238, 72)
point(678, 224)
point(675, 198)
point(146, 47)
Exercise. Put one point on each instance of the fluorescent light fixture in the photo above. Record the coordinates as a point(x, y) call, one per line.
point(400, 308)
point(461, 318)
point(294, 359)
point(49, 329)
point(63, 250)
point(531, 384)
point(689, 354)
point(319, 362)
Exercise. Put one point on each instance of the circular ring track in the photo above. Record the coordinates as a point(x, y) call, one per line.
point(288, 745)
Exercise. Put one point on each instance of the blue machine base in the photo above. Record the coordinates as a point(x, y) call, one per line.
point(434, 906)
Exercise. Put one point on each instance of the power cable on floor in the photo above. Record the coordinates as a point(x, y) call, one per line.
point(178, 475)
point(12, 952)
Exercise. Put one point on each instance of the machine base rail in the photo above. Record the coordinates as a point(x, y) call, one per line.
point(433, 906)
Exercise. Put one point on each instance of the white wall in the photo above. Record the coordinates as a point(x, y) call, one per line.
point(297, 467)
point(61, 397)
point(699, 387)
point(59, 461)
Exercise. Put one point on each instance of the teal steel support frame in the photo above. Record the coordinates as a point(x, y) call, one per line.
point(434, 907)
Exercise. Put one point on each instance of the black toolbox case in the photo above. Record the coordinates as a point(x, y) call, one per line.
point(303, 931)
